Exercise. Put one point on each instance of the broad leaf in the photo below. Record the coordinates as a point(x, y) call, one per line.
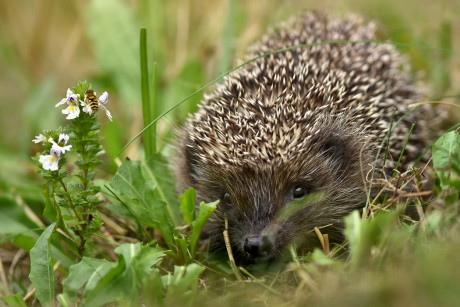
point(124, 280)
point(85, 275)
point(111, 287)
point(148, 200)
point(156, 173)
point(41, 267)
point(140, 258)
point(446, 151)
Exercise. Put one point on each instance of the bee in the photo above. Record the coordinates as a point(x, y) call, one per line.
point(92, 103)
point(91, 100)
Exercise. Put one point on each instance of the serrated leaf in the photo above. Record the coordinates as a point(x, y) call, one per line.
point(183, 281)
point(204, 212)
point(130, 181)
point(124, 280)
point(85, 275)
point(111, 287)
point(188, 201)
point(41, 268)
point(140, 258)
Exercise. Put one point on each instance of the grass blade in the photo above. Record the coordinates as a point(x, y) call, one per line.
point(146, 110)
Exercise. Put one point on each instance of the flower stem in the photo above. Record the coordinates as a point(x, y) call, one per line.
point(69, 199)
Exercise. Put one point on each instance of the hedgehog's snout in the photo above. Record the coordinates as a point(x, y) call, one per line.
point(258, 246)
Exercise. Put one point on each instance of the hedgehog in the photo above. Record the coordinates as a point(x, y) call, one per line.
point(287, 140)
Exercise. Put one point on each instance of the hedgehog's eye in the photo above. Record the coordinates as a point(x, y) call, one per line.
point(226, 198)
point(299, 191)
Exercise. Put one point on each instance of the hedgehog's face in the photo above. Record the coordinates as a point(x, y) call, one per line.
point(268, 206)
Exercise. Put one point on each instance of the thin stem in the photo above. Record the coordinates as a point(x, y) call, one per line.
point(69, 199)
point(403, 149)
point(81, 232)
point(60, 222)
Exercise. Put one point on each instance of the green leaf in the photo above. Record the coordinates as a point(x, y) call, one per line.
point(150, 197)
point(183, 282)
point(13, 219)
point(85, 275)
point(204, 213)
point(111, 287)
point(41, 268)
point(369, 239)
point(188, 201)
point(124, 281)
point(157, 173)
point(14, 300)
point(65, 300)
point(140, 258)
point(354, 233)
point(183, 245)
point(446, 151)
point(49, 211)
point(318, 257)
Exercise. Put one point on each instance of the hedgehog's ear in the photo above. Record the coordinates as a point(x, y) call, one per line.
point(334, 147)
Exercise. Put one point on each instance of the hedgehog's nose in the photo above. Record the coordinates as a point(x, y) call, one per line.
point(258, 246)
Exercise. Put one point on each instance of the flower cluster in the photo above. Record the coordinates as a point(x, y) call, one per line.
point(73, 104)
point(51, 162)
point(67, 163)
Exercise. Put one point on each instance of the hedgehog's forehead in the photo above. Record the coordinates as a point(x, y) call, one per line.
point(254, 132)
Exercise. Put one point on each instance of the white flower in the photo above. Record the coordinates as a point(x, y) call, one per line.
point(103, 99)
point(61, 144)
point(51, 162)
point(70, 96)
point(39, 139)
point(72, 111)
point(87, 108)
